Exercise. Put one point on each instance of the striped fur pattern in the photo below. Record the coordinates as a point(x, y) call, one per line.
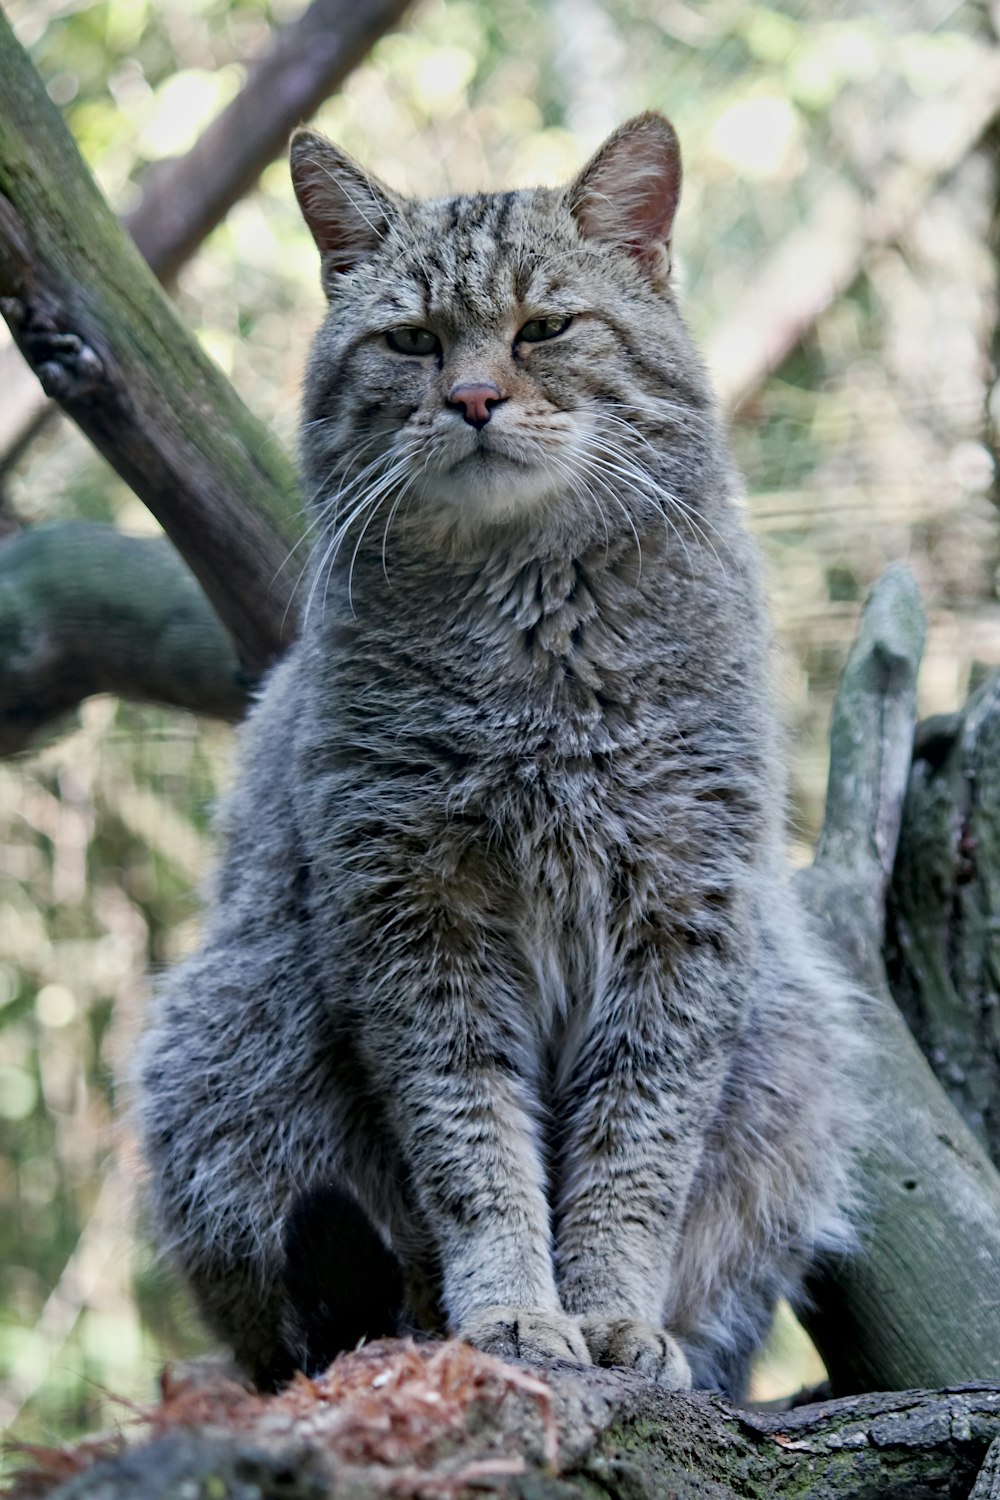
point(503, 941)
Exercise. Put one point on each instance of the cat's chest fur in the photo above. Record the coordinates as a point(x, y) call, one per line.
point(529, 738)
point(524, 679)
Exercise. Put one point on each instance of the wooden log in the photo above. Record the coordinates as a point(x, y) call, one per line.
point(444, 1420)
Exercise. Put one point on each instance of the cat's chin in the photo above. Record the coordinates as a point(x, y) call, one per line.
point(490, 488)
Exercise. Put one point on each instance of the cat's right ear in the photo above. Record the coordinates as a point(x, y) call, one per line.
point(348, 212)
point(627, 194)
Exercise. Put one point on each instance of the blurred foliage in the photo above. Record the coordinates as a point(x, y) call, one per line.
point(868, 445)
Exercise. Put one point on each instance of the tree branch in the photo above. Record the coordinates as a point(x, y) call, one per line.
point(84, 609)
point(184, 199)
point(444, 1420)
point(103, 339)
point(921, 1304)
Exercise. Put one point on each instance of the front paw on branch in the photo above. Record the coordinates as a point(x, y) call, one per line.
point(521, 1333)
point(636, 1346)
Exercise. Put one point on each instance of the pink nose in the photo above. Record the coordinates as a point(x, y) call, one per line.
point(477, 402)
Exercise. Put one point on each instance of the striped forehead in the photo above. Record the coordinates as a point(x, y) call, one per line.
point(480, 258)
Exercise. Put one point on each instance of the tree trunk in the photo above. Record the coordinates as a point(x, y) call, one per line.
point(943, 953)
point(921, 1305)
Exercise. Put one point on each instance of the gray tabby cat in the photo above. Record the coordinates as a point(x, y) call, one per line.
point(503, 951)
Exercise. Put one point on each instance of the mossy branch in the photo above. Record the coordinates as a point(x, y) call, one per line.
point(92, 321)
point(84, 609)
point(446, 1421)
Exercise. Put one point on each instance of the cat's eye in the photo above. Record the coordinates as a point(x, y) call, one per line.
point(412, 340)
point(537, 329)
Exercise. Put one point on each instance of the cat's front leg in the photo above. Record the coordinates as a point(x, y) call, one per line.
point(642, 1092)
point(441, 1045)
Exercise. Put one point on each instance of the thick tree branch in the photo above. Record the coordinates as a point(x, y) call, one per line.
point(86, 610)
point(446, 1421)
point(90, 318)
point(184, 199)
point(921, 1304)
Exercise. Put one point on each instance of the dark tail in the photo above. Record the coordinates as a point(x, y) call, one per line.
point(342, 1282)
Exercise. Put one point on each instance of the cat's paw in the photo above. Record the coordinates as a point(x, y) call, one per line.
point(520, 1333)
point(652, 1351)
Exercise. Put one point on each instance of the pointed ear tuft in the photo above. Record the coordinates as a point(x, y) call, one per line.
point(627, 194)
point(347, 211)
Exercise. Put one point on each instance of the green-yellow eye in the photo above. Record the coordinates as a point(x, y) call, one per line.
point(538, 329)
point(411, 340)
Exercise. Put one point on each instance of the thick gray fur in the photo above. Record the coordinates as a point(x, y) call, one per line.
point(503, 937)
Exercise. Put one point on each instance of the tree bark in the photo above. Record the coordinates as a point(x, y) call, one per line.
point(943, 952)
point(444, 1420)
point(84, 609)
point(99, 332)
point(921, 1304)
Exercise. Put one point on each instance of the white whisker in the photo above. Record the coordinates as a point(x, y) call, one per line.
point(700, 525)
point(370, 500)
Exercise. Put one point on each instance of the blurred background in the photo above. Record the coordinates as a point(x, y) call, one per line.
point(836, 254)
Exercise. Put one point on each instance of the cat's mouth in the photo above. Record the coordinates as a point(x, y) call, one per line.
point(484, 456)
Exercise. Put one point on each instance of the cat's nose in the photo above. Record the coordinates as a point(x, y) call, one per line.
point(477, 402)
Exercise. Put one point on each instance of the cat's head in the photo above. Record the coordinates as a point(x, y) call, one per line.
point(508, 360)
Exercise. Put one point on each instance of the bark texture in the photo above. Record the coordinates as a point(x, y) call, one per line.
point(943, 952)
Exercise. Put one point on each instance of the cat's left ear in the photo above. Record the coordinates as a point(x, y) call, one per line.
point(347, 210)
point(627, 194)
